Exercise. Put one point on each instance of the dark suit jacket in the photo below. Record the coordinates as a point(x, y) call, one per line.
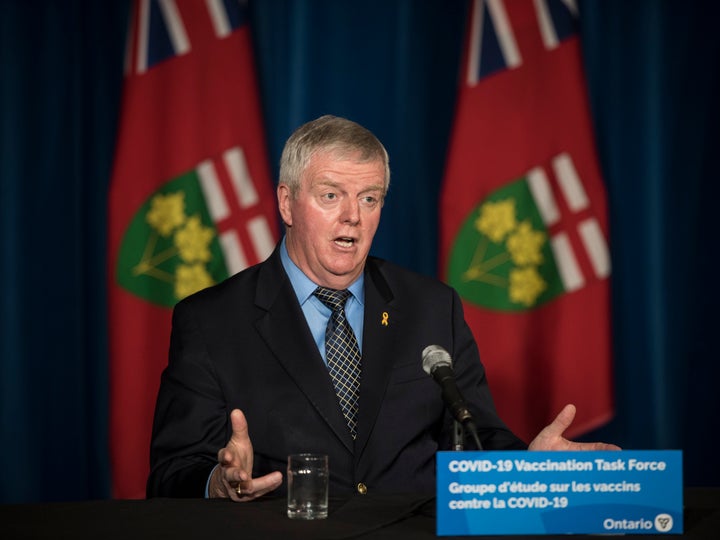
point(245, 344)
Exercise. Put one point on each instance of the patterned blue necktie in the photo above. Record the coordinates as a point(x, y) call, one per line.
point(342, 354)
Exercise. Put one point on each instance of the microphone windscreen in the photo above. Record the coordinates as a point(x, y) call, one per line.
point(434, 356)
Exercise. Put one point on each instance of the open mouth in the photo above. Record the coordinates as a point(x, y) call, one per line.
point(345, 241)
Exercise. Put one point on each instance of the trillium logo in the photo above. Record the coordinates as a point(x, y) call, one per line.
point(663, 522)
point(521, 246)
point(195, 230)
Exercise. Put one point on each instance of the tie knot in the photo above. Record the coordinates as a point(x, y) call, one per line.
point(332, 298)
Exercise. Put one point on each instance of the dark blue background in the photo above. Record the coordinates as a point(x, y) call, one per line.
point(652, 69)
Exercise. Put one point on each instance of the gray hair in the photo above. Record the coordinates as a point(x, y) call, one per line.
point(339, 136)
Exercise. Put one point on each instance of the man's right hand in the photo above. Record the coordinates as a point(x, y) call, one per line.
point(233, 476)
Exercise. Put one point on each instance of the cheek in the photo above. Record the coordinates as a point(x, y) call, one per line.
point(319, 222)
point(313, 229)
point(372, 223)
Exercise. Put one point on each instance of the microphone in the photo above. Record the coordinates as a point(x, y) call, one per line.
point(437, 363)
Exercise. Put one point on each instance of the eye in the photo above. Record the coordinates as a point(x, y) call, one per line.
point(369, 200)
point(330, 196)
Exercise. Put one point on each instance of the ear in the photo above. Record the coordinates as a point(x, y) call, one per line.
point(283, 196)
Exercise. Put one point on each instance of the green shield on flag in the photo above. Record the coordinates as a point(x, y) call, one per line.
point(501, 258)
point(171, 249)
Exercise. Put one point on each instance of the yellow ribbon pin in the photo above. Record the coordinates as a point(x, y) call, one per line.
point(384, 321)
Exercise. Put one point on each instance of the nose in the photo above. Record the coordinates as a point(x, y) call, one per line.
point(351, 211)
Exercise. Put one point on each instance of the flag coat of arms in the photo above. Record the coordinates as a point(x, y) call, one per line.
point(191, 198)
point(523, 216)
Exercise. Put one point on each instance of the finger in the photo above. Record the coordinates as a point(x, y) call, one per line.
point(593, 446)
point(231, 491)
point(233, 475)
point(561, 423)
point(231, 464)
point(257, 487)
point(224, 457)
point(237, 484)
point(264, 484)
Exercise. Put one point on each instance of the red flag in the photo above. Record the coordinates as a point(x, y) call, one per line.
point(191, 199)
point(523, 216)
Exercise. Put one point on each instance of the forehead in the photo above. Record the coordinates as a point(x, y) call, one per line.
point(336, 166)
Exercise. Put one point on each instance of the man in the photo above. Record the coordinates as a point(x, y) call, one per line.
point(249, 356)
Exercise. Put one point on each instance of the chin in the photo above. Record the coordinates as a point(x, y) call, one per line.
point(341, 272)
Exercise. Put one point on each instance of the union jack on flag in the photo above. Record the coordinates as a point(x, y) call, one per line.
point(493, 45)
point(162, 33)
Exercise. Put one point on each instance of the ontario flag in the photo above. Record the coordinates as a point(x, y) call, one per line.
point(191, 199)
point(523, 216)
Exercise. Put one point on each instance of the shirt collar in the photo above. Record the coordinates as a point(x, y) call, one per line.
point(304, 287)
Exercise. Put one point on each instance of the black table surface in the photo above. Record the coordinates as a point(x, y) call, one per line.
point(370, 516)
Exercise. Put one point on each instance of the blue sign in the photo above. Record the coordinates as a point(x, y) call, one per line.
point(523, 492)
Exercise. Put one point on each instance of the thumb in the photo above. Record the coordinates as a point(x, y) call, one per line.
point(565, 418)
point(562, 422)
point(239, 426)
point(548, 438)
point(240, 445)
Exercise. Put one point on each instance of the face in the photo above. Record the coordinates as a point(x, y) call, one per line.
point(332, 219)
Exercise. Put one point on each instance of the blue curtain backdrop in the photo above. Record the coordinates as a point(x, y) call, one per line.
point(653, 74)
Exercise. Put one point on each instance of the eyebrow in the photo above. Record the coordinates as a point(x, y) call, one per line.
point(332, 183)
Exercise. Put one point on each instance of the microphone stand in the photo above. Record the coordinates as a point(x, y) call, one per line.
point(458, 436)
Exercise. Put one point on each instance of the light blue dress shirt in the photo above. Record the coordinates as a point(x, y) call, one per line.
point(318, 314)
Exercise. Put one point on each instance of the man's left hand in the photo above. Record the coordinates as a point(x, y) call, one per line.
point(551, 437)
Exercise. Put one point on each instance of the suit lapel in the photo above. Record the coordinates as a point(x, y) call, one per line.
point(382, 320)
point(287, 335)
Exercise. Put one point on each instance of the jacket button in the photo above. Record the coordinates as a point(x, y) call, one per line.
point(362, 488)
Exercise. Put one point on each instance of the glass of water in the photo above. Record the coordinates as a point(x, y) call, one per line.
point(307, 493)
